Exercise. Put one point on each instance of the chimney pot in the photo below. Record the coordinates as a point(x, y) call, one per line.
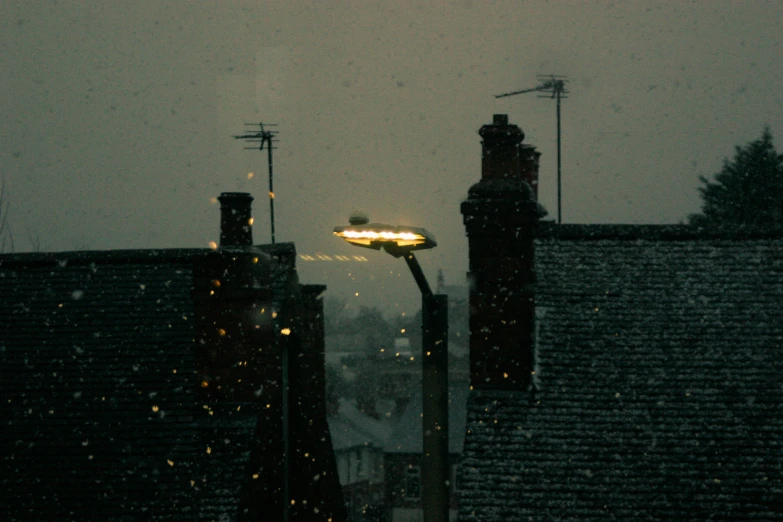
point(500, 146)
point(235, 219)
point(529, 159)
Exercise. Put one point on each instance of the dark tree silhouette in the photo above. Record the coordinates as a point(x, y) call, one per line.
point(334, 314)
point(377, 331)
point(747, 191)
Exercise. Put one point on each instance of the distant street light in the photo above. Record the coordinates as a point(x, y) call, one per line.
point(401, 241)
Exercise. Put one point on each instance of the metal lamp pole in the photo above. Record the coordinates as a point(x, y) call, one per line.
point(401, 242)
point(435, 398)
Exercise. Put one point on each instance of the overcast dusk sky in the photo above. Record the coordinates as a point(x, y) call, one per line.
point(118, 116)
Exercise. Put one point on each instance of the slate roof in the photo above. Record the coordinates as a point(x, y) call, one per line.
point(100, 418)
point(658, 383)
point(407, 436)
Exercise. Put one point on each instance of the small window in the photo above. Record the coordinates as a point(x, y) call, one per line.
point(413, 483)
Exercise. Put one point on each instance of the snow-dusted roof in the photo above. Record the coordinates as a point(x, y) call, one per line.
point(658, 395)
point(99, 378)
point(99, 372)
point(350, 428)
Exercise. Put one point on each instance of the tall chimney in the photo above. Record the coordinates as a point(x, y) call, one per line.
point(501, 215)
point(236, 222)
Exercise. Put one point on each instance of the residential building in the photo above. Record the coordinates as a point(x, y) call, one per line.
point(150, 384)
point(359, 442)
point(403, 457)
point(617, 372)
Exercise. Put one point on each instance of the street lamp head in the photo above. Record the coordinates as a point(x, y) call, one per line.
point(396, 240)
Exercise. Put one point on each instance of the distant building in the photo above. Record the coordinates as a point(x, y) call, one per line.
point(359, 442)
point(146, 384)
point(618, 372)
point(403, 457)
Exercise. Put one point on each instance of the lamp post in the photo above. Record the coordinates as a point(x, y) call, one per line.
point(401, 241)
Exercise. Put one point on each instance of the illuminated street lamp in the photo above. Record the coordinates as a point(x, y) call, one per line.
point(401, 241)
point(394, 239)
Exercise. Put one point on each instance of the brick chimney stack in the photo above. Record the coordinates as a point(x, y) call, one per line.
point(236, 222)
point(501, 216)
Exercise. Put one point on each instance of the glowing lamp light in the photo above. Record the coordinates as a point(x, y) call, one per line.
point(396, 240)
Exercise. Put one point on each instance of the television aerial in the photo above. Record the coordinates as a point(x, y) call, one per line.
point(263, 136)
point(549, 86)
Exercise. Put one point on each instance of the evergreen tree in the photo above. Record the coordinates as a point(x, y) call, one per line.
point(747, 191)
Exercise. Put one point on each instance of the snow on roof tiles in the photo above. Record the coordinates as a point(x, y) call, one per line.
point(98, 376)
point(659, 356)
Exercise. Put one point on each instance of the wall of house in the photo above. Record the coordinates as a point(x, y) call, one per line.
point(314, 463)
point(364, 501)
point(360, 464)
point(362, 477)
point(314, 488)
point(402, 483)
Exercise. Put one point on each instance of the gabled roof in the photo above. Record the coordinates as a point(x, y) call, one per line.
point(98, 376)
point(407, 435)
point(658, 367)
point(351, 428)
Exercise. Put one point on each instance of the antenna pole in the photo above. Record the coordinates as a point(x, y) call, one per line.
point(554, 85)
point(272, 190)
point(559, 198)
point(261, 137)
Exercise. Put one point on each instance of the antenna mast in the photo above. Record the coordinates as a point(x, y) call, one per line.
point(554, 87)
point(268, 137)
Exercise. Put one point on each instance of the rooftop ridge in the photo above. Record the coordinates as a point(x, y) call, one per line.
point(140, 256)
point(79, 257)
point(549, 230)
